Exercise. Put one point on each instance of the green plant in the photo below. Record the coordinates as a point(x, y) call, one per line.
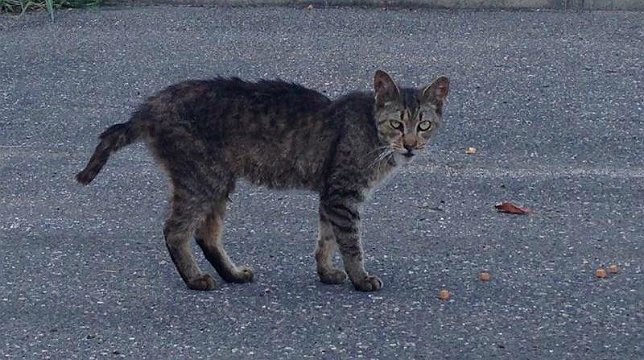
point(50, 8)
point(20, 6)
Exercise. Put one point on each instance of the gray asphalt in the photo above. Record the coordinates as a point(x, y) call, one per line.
point(551, 100)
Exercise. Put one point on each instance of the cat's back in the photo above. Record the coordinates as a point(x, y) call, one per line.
point(275, 97)
point(353, 110)
point(354, 102)
point(266, 91)
point(225, 104)
point(263, 94)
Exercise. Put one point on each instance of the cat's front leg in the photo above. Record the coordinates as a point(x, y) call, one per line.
point(344, 218)
point(324, 251)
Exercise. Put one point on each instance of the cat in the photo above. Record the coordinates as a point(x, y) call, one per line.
point(206, 134)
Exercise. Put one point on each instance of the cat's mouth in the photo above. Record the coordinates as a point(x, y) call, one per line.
point(404, 157)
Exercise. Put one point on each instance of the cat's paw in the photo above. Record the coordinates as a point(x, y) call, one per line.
point(333, 276)
point(204, 282)
point(242, 274)
point(368, 283)
point(245, 274)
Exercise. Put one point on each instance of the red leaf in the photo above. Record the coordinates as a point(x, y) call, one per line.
point(510, 208)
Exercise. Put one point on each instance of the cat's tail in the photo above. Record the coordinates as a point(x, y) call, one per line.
point(112, 139)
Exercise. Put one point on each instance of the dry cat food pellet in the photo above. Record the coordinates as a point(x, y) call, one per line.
point(613, 269)
point(443, 294)
point(485, 276)
point(600, 273)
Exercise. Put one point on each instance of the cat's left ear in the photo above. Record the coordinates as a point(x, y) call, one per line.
point(437, 91)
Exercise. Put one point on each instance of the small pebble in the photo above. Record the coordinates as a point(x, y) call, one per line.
point(470, 150)
point(443, 294)
point(613, 269)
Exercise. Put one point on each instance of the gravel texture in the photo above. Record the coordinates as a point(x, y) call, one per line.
point(552, 101)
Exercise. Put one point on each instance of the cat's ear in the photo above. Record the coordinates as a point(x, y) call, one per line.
point(437, 91)
point(385, 88)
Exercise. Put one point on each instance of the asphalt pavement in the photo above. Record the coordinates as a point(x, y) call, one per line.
point(552, 101)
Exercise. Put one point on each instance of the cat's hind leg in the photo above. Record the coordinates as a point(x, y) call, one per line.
point(324, 251)
point(208, 238)
point(185, 216)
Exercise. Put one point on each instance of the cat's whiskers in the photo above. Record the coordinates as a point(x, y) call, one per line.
point(382, 152)
point(388, 151)
point(379, 148)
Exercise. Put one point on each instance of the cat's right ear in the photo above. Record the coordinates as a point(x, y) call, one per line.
point(385, 88)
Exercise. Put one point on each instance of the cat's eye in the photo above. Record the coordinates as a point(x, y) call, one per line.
point(396, 124)
point(425, 125)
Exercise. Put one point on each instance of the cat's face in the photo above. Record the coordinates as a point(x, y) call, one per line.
point(407, 118)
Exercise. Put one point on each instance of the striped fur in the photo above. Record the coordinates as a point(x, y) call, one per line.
point(207, 134)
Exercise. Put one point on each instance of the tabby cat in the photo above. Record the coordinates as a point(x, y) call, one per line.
point(207, 134)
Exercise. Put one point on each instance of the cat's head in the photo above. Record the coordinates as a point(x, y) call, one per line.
point(407, 118)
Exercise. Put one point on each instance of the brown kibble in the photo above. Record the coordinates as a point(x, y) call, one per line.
point(485, 276)
point(443, 294)
point(613, 269)
point(470, 150)
point(600, 273)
